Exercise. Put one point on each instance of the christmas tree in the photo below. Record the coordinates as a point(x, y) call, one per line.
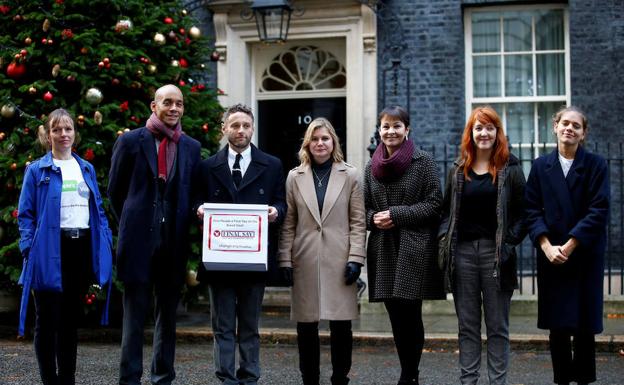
point(102, 61)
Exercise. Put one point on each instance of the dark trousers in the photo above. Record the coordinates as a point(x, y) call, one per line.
point(573, 356)
point(137, 300)
point(57, 315)
point(341, 342)
point(235, 313)
point(409, 336)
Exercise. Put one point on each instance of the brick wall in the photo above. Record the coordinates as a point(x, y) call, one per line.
point(432, 54)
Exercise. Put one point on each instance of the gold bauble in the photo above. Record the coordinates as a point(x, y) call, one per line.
point(32, 90)
point(159, 38)
point(56, 69)
point(175, 63)
point(46, 25)
point(97, 117)
point(7, 111)
point(151, 68)
point(194, 32)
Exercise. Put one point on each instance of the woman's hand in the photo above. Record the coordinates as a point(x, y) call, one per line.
point(569, 246)
point(556, 254)
point(382, 220)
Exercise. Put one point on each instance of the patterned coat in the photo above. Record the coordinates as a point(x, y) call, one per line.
point(402, 262)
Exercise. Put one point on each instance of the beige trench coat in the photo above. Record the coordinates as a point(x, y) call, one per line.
point(319, 247)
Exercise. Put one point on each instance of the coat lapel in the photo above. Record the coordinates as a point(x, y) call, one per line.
point(222, 171)
point(304, 181)
point(148, 146)
point(256, 168)
point(337, 179)
point(557, 182)
point(576, 171)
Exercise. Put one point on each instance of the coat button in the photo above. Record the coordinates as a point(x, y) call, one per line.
point(318, 228)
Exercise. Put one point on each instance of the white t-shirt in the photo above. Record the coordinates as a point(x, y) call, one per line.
point(565, 164)
point(74, 195)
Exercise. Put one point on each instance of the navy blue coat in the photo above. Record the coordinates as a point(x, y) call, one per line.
point(132, 188)
point(570, 295)
point(263, 183)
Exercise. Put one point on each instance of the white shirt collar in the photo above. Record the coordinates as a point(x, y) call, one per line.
point(244, 162)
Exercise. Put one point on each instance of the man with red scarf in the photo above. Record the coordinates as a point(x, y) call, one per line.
point(150, 184)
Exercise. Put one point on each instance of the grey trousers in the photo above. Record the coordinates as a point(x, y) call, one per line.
point(235, 312)
point(475, 286)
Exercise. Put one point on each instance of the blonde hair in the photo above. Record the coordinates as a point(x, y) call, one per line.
point(304, 153)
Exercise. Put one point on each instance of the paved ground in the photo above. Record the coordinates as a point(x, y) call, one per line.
point(98, 364)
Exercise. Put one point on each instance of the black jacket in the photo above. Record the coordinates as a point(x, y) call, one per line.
point(510, 230)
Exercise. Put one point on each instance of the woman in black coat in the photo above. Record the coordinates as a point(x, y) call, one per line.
point(567, 203)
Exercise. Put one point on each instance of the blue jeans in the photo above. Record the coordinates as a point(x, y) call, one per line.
point(475, 286)
point(235, 312)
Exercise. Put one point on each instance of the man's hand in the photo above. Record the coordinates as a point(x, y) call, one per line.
point(272, 214)
point(200, 212)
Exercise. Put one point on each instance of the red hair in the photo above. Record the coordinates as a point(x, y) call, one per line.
point(500, 152)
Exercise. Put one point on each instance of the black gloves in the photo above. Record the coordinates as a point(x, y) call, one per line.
point(352, 272)
point(286, 273)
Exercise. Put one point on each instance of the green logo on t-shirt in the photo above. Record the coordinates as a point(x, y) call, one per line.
point(69, 185)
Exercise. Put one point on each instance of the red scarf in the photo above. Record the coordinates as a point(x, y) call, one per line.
point(389, 168)
point(169, 138)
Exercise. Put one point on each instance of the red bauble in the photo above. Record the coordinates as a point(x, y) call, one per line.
point(168, 20)
point(15, 70)
point(23, 53)
point(89, 155)
point(182, 83)
point(115, 81)
point(182, 31)
point(14, 213)
point(205, 127)
point(13, 166)
point(214, 56)
point(183, 62)
point(4, 9)
point(48, 96)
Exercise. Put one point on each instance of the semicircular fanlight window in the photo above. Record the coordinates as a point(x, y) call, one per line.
point(302, 69)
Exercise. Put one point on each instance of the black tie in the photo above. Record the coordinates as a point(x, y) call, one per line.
point(237, 175)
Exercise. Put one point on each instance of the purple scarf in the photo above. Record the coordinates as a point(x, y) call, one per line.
point(168, 143)
point(388, 168)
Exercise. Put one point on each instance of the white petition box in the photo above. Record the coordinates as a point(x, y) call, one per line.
point(235, 237)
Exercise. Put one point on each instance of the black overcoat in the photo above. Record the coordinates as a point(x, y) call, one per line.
point(133, 190)
point(570, 295)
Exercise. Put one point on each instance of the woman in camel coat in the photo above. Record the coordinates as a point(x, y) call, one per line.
point(322, 249)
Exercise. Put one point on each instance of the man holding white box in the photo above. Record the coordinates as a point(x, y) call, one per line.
point(240, 174)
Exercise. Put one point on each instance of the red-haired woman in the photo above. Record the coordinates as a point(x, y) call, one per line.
point(482, 223)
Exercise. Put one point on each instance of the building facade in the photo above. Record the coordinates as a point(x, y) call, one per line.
point(347, 59)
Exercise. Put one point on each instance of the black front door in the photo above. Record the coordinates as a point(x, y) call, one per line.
point(282, 123)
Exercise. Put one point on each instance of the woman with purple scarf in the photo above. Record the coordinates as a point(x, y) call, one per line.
point(403, 201)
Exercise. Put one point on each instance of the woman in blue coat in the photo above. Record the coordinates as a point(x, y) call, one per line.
point(66, 244)
point(567, 203)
